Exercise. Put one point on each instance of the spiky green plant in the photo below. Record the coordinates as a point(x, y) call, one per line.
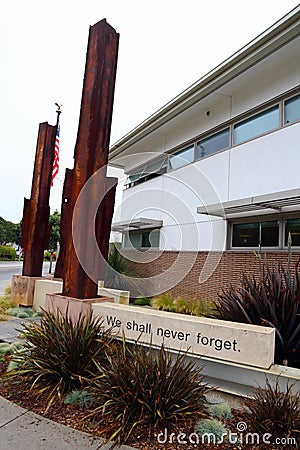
point(61, 354)
point(211, 431)
point(6, 303)
point(7, 290)
point(119, 273)
point(164, 302)
point(181, 305)
point(275, 411)
point(141, 385)
point(271, 300)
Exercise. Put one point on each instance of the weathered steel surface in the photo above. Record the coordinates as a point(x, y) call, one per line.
point(91, 154)
point(104, 217)
point(66, 217)
point(35, 227)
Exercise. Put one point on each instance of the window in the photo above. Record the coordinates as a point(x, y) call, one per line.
point(292, 109)
point(254, 126)
point(285, 112)
point(256, 234)
point(155, 168)
point(132, 179)
point(141, 239)
point(266, 233)
point(213, 144)
point(181, 158)
point(149, 171)
point(292, 226)
point(150, 239)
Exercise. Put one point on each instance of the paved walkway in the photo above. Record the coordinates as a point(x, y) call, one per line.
point(9, 329)
point(23, 430)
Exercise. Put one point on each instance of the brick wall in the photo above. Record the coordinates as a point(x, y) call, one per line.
point(229, 270)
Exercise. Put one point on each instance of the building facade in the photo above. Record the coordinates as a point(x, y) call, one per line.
point(213, 176)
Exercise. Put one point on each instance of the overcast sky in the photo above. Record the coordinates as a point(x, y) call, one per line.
point(165, 46)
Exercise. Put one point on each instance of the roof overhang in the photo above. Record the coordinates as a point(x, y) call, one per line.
point(137, 224)
point(277, 202)
point(275, 37)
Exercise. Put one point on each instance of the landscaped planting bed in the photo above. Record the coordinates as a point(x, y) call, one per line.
point(79, 375)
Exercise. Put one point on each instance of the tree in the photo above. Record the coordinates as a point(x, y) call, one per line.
point(9, 231)
point(54, 221)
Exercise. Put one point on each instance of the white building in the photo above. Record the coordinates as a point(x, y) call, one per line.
point(215, 173)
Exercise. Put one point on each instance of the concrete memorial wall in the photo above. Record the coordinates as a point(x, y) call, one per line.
point(251, 345)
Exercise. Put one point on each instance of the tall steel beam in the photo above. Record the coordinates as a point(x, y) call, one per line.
point(91, 154)
point(35, 227)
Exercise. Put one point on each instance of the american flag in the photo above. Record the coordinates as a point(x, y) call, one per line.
point(56, 156)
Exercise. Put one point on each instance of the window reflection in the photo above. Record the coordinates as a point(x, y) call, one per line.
point(292, 109)
point(254, 126)
point(255, 234)
point(292, 226)
point(213, 144)
point(181, 158)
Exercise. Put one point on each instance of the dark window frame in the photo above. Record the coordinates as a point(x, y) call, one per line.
point(140, 233)
point(281, 218)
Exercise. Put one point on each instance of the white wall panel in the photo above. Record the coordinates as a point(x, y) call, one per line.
point(267, 164)
point(143, 200)
point(204, 182)
point(209, 235)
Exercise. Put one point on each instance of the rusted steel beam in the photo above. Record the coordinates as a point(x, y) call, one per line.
point(104, 216)
point(91, 154)
point(65, 221)
point(35, 227)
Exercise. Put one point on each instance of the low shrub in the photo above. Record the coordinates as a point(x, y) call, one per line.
point(141, 385)
point(5, 349)
point(10, 349)
point(194, 307)
point(7, 290)
point(6, 304)
point(47, 255)
point(209, 429)
point(7, 253)
point(23, 313)
point(221, 411)
point(164, 302)
point(61, 354)
point(80, 398)
point(142, 301)
point(274, 411)
point(17, 352)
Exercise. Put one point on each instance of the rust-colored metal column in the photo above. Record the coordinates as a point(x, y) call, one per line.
point(35, 227)
point(91, 154)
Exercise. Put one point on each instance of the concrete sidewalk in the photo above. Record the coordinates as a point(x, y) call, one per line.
point(10, 329)
point(23, 430)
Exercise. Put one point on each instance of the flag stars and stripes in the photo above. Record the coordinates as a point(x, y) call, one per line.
point(56, 155)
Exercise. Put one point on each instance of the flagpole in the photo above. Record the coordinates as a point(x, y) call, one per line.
point(58, 112)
